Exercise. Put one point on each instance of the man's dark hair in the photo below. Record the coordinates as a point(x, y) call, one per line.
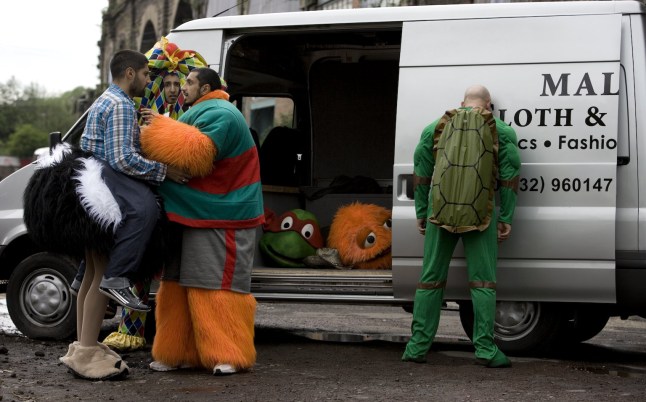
point(209, 76)
point(124, 59)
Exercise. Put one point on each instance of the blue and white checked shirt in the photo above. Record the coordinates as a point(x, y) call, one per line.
point(112, 134)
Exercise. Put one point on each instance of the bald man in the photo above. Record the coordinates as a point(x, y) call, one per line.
point(480, 246)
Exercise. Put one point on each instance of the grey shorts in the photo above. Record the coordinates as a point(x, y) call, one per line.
point(215, 259)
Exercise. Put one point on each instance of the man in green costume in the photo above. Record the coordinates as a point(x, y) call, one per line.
point(480, 247)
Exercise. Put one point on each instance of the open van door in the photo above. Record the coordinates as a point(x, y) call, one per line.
point(555, 80)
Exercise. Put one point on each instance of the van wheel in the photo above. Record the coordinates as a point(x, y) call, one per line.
point(520, 327)
point(38, 297)
point(586, 323)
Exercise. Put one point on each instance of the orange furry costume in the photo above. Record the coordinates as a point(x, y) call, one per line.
point(205, 313)
point(361, 233)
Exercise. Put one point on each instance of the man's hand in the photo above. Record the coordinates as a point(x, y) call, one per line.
point(177, 175)
point(147, 114)
point(421, 226)
point(504, 231)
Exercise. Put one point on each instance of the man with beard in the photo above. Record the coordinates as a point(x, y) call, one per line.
point(205, 312)
point(112, 136)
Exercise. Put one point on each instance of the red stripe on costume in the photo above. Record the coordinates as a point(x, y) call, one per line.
point(230, 174)
point(230, 262)
point(217, 223)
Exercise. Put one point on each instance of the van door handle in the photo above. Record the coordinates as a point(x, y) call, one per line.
point(623, 160)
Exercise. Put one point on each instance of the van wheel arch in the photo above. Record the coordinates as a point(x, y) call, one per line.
point(39, 299)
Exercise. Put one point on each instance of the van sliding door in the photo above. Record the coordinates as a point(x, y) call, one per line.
point(555, 80)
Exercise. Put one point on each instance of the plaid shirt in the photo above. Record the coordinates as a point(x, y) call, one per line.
point(112, 134)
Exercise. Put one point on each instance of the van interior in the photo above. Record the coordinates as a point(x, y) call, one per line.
point(322, 106)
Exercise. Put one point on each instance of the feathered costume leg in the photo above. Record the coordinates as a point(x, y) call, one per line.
point(69, 210)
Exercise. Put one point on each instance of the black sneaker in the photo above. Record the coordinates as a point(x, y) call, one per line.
point(126, 298)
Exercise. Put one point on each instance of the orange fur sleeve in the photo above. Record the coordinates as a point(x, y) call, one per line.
point(178, 144)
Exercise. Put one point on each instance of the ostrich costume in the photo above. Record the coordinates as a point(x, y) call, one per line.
point(68, 206)
point(69, 209)
point(163, 59)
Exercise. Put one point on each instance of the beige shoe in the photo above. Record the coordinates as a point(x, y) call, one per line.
point(70, 350)
point(108, 350)
point(74, 344)
point(93, 363)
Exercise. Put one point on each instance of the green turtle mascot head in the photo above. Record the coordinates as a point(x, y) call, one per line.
point(289, 238)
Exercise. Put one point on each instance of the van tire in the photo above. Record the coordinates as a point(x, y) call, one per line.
point(586, 322)
point(521, 328)
point(39, 300)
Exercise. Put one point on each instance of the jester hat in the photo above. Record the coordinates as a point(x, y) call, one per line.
point(163, 59)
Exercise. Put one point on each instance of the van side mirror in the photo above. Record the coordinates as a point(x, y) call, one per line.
point(54, 139)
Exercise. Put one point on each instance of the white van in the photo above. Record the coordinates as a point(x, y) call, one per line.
point(358, 86)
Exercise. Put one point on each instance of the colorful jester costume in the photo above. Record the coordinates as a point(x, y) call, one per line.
point(480, 246)
point(163, 59)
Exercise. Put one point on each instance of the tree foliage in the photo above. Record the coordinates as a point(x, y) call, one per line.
point(25, 140)
point(30, 114)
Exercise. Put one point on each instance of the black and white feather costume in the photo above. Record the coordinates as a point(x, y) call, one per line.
point(68, 207)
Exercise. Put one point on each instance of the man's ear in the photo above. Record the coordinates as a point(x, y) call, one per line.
point(207, 87)
point(130, 73)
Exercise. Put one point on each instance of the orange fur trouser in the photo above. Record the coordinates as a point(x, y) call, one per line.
point(203, 327)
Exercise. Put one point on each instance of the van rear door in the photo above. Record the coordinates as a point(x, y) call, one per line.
point(555, 80)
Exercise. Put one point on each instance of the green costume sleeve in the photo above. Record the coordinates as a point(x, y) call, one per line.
point(509, 170)
point(424, 163)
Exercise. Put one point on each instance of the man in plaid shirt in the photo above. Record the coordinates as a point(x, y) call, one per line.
point(112, 135)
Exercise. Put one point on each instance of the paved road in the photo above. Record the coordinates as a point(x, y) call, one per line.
point(345, 323)
point(299, 367)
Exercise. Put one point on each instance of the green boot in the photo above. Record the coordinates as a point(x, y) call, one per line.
point(498, 361)
point(426, 318)
point(484, 312)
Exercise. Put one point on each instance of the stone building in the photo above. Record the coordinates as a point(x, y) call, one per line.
point(138, 24)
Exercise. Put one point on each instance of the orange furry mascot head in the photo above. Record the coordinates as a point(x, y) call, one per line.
point(362, 235)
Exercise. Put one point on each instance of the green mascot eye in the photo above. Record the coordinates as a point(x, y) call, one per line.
point(287, 223)
point(307, 231)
